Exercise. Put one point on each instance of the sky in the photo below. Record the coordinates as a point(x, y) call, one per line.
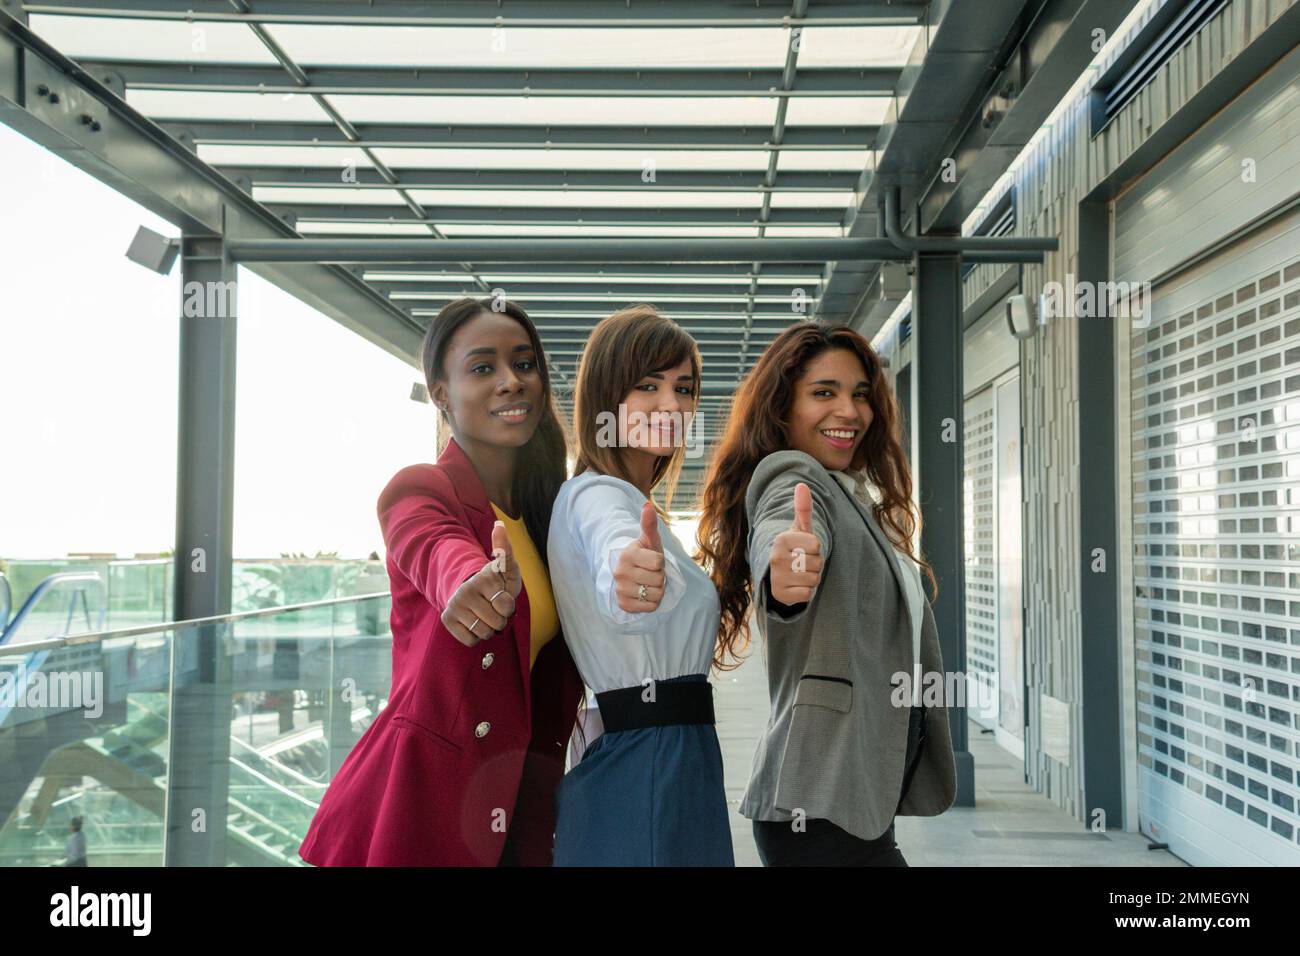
point(88, 389)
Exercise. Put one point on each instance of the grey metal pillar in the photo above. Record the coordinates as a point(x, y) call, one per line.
point(903, 388)
point(339, 737)
point(1099, 599)
point(201, 699)
point(938, 400)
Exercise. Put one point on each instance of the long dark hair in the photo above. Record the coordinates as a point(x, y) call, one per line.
point(756, 428)
point(541, 463)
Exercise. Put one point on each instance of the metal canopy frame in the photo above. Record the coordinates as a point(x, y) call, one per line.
point(761, 186)
point(334, 172)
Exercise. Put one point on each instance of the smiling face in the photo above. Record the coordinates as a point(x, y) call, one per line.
point(491, 388)
point(659, 410)
point(830, 413)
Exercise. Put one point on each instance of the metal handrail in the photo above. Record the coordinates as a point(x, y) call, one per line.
point(44, 588)
point(280, 768)
point(6, 603)
point(142, 629)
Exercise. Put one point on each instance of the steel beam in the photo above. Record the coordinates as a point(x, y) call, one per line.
point(571, 14)
point(481, 136)
point(512, 82)
point(788, 77)
point(498, 215)
point(505, 180)
point(718, 314)
point(596, 249)
point(451, 286)
point(595, 272)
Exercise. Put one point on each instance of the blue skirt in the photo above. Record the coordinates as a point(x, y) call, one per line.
point(647, 797)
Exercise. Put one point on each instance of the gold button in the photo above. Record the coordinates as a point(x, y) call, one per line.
point(488, 658)
point(482, 729)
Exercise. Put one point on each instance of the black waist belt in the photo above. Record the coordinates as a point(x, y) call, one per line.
point(656, 705)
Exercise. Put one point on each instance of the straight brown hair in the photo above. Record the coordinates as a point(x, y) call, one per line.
point(623, 349)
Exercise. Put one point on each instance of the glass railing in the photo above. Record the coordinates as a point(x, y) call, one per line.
point(101, 725)
point(138, 590)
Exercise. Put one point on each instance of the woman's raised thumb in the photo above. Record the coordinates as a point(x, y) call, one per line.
point(802, 508)
point(501, 553)
point(650, 528)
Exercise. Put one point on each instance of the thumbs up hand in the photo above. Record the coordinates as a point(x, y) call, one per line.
point(639, 574)
point(795, 566)
point(482, 605)
point(503, 561)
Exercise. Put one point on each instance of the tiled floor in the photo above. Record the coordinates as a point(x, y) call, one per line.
point(1010, 824)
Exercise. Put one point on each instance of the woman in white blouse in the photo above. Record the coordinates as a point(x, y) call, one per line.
point(639, 616)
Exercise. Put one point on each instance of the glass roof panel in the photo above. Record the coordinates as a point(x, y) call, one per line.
point(110, 38)
point(646, 197)
point(633, 160)
point(837, 110)
point(856, 46)
point(327, 195)
point(811, 160)
point(823, 200)
point(364, 229)
point(525, 47)
point(804, 232)
point(327, 157)
point(565, 110)
point(631, 232)
point(252, 107)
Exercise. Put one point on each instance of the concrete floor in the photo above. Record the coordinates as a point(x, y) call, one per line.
point(1010, 824)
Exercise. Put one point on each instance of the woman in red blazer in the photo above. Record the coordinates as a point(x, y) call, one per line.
point(460, 768)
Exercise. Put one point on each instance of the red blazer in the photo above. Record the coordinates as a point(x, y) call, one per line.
point(468, 743)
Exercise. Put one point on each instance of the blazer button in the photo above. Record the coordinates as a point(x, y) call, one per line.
point(488, 658)
point(482, 729)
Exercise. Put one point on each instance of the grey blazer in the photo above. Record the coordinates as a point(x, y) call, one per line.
point(835, 744)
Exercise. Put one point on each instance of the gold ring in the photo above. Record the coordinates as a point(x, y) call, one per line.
point(640, 593)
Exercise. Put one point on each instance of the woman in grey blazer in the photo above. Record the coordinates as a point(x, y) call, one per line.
point(807, 516)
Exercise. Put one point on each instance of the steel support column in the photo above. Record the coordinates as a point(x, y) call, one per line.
point(1100, 651)
point(937, 403)
point(199, 748)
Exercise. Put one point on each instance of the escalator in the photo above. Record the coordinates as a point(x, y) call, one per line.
point(270, 805)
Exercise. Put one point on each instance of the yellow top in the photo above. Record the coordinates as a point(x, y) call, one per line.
point(544, 622)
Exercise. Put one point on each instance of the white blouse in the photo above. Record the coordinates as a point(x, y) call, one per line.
point(595, 517)
point(911, 572)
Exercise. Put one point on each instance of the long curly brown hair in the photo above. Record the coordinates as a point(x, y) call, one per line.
point(756, 428)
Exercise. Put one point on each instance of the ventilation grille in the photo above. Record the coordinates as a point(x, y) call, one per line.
point(1166, 33)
